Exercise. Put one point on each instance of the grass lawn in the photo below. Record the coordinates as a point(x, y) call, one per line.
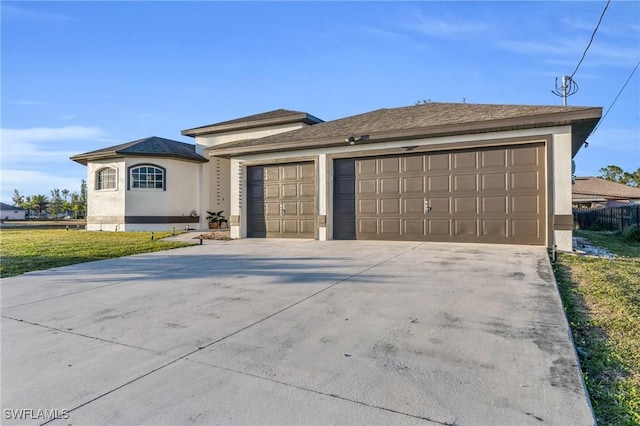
point(31, 250)
point(602, 301)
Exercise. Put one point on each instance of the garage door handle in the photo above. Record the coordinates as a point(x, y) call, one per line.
point(282, 210)
point(427, 209)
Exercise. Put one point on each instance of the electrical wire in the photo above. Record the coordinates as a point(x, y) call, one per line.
point(616, 98)
point(591, 41)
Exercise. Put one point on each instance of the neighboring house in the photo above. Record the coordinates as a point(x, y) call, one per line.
point(8, 212)
point(431, 172)
point(589, 192)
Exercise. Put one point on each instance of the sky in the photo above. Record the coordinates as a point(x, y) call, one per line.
point(79, 76)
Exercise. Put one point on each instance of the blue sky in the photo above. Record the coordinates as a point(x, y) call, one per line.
point(79, 76)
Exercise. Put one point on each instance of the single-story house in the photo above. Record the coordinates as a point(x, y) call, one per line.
point(590, 191)
point(429, 172)
point(8, 212)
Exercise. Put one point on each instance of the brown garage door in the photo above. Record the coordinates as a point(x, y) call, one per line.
point(488, 195)
point(281, 200)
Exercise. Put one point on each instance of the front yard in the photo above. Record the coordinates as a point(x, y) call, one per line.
point(602, 301)
point(36, 249)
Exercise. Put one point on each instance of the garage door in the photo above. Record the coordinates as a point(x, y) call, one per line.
point(488, 195)
point(281, 200)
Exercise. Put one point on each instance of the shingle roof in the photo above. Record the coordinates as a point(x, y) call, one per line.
point(4, 206)
point(592, 188)
point(433, 119)
point(147, 147)
point(278, 116)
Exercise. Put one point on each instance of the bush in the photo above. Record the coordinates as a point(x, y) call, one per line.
point(632, 234)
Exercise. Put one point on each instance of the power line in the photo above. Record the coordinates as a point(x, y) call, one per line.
point(591, 40)
point(616, 98)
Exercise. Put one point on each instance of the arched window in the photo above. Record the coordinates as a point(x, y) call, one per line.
point(147, 176)
point(106, 178)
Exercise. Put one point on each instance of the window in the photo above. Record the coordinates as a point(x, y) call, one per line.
point(146, 177)
point(106, 179)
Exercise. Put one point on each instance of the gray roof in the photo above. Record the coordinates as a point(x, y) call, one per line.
point(592, 188)
point(4, 206)
point(278, 116)
point(148, 147)
point(425, 120)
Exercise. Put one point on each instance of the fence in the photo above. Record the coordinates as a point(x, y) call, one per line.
point(608, 218)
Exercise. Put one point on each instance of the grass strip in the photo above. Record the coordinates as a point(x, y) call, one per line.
point(32, 250)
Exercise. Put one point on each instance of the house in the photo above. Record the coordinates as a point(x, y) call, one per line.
point(590, 191)
point(430, 172)
point(8, 212)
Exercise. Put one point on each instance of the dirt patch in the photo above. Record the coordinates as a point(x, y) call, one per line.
point(215, 235)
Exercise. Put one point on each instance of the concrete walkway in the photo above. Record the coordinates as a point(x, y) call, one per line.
point(293, 332)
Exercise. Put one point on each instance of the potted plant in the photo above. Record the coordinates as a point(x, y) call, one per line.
point(215, 219)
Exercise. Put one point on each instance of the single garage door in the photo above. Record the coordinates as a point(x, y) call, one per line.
point(486, 195)
point(281, 200)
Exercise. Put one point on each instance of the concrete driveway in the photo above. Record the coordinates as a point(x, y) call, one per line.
point(293, 332)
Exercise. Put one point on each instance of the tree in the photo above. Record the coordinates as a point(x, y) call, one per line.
point(18, 200)
point(55, 203)
point(616, 174)
point(39, 203)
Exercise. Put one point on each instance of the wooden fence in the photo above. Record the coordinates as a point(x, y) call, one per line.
point(607, 218)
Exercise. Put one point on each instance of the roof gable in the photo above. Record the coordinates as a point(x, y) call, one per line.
point(148, 147)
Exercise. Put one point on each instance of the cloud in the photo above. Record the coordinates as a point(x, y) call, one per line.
point(443, 28)
point(21, 13)
point(23, 147)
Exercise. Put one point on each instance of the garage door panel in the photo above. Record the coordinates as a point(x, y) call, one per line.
point(290, 208)
point(438, 206)
point(367, 168)
point(492, 228)
point(465, 205)
point(494, 182)
point(307, 189)
point(497, 204)
point(271, 191)
point(526, 156)
point(390, 186)
point(467, 227)
point(413, 206)
point(525, 204)
point(525, 181)
point(289, 190)
point(465, 161)
point(438, 162)
point(271, 174)
point(414, 227)
point(273, 226)
point(439, 227)
point(368, 186)
point(390, 206)
point(272, 209)
point(307, 172)
point(289, 172)
point(496, 158)
point(465, 183)
point(390, 227)
point(367, 207)
point(492, 194)
point(439, 183)
point(389, 166)
point(413, 164)
point(413, 185)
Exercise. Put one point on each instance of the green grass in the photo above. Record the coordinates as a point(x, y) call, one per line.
point(32, 250)
point(602, 301)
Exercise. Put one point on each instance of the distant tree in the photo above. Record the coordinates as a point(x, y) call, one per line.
point(55, 203)
point(39, 203)
point(616, 174)
point(83, 197)
point(18, 200)
point(612, 173)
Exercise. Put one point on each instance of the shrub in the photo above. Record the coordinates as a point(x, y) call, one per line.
point(632, 234)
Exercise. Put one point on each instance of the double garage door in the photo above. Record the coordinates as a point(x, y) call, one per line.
point(486, 195)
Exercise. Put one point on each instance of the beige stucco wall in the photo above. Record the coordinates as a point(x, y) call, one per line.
point(562, 183)
point(105, 207)
point(561, 169)
point(237, 135)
